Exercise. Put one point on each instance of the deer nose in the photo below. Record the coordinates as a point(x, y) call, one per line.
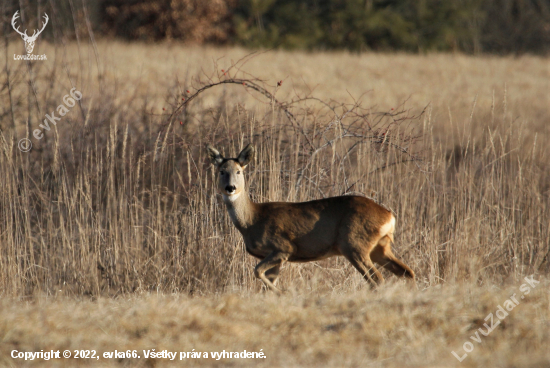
point(230, 189)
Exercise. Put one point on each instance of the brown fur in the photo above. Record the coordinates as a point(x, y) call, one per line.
point(275, 232)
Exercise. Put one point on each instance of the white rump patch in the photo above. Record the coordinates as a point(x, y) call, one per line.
point(388, 227)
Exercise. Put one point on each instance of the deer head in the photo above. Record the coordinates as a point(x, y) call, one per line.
point(29, 40)
point(230, 170)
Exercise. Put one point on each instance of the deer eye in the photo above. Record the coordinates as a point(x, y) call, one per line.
point(238, 172)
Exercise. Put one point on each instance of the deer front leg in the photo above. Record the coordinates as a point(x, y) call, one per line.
point(273, 261)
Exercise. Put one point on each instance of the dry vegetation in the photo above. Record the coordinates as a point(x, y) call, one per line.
point(116, 203)
point(395, 327)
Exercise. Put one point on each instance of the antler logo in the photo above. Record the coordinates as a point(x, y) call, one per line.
point(29, 40)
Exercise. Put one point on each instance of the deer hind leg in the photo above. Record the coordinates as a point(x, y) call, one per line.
point(383, 255)
point(273, 273)
point(361, 261)
point(268, 269)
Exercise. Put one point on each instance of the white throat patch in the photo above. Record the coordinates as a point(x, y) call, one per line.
point(231, 198)
point(234, 211)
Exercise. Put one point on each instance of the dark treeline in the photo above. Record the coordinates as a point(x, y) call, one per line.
point(471, 26)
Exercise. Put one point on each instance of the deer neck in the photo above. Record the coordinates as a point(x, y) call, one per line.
point(241, 209)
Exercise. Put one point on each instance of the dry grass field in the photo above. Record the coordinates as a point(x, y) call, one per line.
point(112, 236)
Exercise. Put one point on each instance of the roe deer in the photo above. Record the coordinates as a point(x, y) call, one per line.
point(275, 232)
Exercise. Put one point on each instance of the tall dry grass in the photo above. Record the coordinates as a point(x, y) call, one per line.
point(119, 199)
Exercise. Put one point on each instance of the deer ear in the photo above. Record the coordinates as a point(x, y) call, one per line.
point(246, 155)
point(215, 156)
